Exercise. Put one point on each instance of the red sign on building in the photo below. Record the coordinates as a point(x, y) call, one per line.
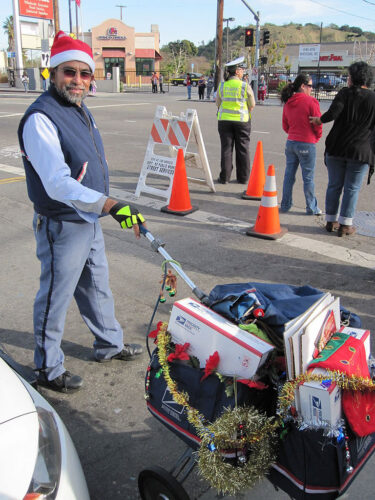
point(42, 9)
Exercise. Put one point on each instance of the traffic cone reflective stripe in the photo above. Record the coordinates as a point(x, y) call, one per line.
point(179, 203)
point(257, 176)
point(267, 224)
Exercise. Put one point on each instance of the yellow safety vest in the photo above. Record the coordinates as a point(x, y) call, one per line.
point(233, 107)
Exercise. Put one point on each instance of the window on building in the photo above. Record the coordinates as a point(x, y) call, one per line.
point(110, 62)
point(144, 66)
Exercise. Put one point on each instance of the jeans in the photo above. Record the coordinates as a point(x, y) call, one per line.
point(343, 175)
point(73, 264)
point(189, 91)
point(304, 154)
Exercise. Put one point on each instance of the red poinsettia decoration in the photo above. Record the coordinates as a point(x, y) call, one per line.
point(180, 353)
point(160, 327)
point(252, 384)
point(211, 365)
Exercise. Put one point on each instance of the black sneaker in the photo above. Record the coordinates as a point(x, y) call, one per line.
point(64, 383)
point(129, 352)
point(220, 181)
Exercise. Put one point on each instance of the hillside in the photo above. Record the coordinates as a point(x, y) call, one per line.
point(203, 56)
point(290, 33)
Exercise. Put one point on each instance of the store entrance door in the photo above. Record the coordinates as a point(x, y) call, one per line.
point(117, 62)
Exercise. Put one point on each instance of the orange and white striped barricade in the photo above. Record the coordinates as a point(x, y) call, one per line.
point(169, 134)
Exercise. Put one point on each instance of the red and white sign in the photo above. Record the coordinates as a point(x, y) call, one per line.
point(42, 9)
point(331, 57)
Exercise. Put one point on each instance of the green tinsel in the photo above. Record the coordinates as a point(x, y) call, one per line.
point(229, 477)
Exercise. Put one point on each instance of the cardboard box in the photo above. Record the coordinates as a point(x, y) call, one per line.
point(320, 402)
point(362, 335)
point(241, 353)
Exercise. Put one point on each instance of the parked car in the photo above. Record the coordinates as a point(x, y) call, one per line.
point(181, 80)
point(274, 81)
point(327, 82)
point(38, 459)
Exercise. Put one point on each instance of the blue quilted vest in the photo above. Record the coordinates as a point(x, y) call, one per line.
point(82, 148)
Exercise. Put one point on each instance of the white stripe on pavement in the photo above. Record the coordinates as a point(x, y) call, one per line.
point(12, 170)
point(119, 105)
point(342, 254)
point(13, 114)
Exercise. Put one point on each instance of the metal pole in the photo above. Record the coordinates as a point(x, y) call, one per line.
point(17, 39)
point(227, 21)
point(256, 62)
point(227, 39)
point(77, 32)
point(121, 7)
point(257, 49)
point(70, 17)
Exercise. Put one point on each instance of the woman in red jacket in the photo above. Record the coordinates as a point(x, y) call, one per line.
point(300, 146)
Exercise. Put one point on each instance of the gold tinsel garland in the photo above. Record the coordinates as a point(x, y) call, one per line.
point(347, 382)
point(245, 432)
point(258, 430)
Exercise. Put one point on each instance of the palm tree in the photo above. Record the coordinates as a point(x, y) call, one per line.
point(9, 31)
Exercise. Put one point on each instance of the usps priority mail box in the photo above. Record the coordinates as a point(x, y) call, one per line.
point(241, 353)
point(320, 402)
point(362, 335)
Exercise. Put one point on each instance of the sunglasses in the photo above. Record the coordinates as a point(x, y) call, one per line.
point(71, 73)
point(308, 85)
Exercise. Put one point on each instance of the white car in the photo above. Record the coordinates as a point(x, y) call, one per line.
point(38, 460)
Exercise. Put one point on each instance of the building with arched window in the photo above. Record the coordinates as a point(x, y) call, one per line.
point(116, 44)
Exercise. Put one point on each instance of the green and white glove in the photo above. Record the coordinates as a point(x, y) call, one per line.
point(126, 215)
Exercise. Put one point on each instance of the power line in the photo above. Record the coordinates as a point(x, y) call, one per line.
point(339, 10)
point(366, 1)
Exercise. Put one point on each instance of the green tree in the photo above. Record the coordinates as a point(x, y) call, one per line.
point(9, 31)
point(176, 55)
point(275, 54)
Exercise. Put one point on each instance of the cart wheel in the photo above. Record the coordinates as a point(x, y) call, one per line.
point(155, 483)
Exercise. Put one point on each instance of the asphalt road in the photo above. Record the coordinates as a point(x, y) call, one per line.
point(114, 434)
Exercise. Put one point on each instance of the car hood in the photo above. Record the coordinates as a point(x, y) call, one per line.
point(19, 435)
point(14, 398)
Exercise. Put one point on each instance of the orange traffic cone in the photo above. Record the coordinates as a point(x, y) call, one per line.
point(267, 225)
point(257, 176)
point(179, 203)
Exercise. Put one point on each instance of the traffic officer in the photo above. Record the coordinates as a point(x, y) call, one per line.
point(235, 101)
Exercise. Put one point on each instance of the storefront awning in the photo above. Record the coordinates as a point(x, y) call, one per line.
point(148, 54)
point(113, 52)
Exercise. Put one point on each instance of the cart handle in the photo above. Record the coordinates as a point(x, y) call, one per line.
point(158, 246)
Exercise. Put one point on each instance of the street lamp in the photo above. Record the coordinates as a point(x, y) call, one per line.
point(226, 20)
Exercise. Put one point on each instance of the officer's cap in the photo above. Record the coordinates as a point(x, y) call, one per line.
point(236, 63)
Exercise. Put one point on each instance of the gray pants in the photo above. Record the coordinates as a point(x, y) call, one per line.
point(73, 264)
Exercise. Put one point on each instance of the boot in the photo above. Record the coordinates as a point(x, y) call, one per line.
point(345, 230)
point(332, 226)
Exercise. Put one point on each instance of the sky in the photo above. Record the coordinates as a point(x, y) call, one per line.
point(195, 20)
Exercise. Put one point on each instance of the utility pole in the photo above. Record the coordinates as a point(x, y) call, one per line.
point(56, 16)
point(257, 46)
point(219, 43)
point(121, 7)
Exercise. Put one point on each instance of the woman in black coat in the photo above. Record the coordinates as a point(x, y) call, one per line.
point(348, 153)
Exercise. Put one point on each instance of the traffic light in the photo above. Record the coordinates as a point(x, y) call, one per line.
point(266, 37)
point(249, 37)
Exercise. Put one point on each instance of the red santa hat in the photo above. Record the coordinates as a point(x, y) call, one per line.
point(65, 48)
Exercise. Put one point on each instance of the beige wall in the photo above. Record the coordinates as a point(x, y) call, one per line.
point(128, 42)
